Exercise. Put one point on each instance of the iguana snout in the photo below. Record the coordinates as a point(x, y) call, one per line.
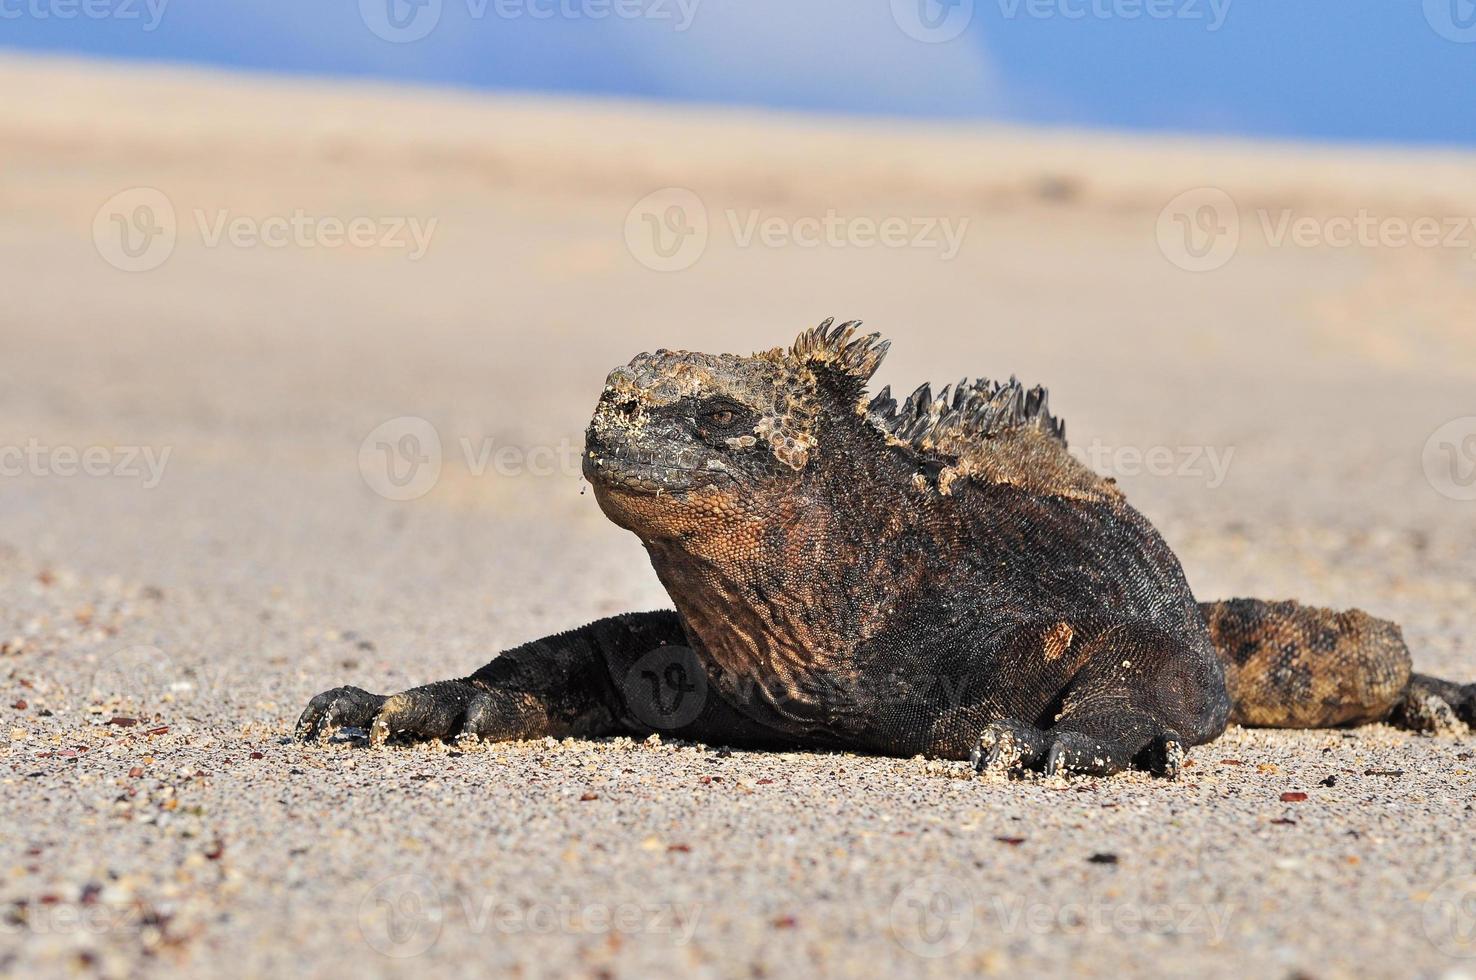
point(673, 422)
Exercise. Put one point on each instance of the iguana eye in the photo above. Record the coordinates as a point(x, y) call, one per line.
point(721, 418)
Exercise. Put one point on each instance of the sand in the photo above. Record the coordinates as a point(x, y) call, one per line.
point(198, 534)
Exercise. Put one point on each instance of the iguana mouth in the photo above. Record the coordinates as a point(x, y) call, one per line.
point(637, 471)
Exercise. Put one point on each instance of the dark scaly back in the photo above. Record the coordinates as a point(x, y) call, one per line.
point(1017, 520)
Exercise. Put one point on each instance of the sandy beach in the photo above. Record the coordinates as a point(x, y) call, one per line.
point(292, 384)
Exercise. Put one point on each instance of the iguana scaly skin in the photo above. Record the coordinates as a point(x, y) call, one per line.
point(939, 577)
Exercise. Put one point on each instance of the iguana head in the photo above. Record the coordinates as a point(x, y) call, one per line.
point(680, 439)
point(683, 443)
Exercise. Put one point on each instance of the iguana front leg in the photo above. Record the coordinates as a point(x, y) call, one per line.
point(1138, 692)
point(558, 686)
point(1111, 743)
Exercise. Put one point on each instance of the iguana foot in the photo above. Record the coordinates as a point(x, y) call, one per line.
point(1465, 708)
point(1087, 755)
point(342, 707)
point(1164, 756)
point(1006, 745)
point(1435, 707)
point(1010, 745)
point(1430, 715)
point(444, 710)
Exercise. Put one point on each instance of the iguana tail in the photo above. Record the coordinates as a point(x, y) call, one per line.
point(1294, 666)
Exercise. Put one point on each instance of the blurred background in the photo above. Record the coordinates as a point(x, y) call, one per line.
point(304, 308)
point(1355, 71)
point(259, 231)
point(353, 273)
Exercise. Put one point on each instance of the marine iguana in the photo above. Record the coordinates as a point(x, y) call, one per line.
point(938, 577)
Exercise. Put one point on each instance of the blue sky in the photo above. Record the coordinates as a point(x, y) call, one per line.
point(1361, 70)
